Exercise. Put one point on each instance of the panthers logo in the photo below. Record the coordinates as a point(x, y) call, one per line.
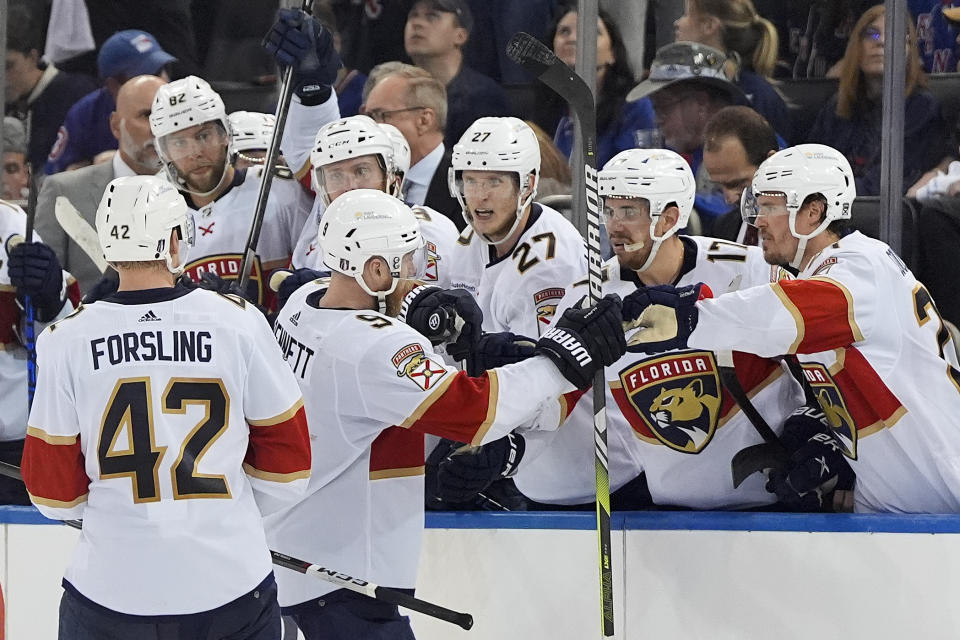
point(677, 396)
point(834, 408)
point(413, 363)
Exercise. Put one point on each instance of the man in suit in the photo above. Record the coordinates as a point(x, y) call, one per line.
point(136, 155)
point(415, 102)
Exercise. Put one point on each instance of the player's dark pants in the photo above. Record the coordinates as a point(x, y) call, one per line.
point(345, 615)
point(252, 616)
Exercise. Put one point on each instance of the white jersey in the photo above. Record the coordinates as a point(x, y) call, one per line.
point(222, 228)
point(157, 417)
point(668, 414)
point(438, 231)
point(875, 351)
point(372, 388)
point(13, 354)
point(520, 291)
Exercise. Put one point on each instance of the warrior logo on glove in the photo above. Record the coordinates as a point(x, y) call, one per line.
point(674, 399)
point(834, 408)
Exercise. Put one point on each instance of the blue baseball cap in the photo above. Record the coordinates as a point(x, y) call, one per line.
point(131, 53)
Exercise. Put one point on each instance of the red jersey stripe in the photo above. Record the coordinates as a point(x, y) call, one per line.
point(280, 451)
point(823, 311)
point(461, 408)
point(53, 469)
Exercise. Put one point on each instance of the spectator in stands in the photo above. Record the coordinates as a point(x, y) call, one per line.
point(36, 92)
point(554, 177)
point(751, 44)
point(735, 142)
point(415, 102)
point(136, 155)
point(851, 120)
point(688, 85)
point(85, 133)
point(434, 36)
point(618, 121)
point(16, 177)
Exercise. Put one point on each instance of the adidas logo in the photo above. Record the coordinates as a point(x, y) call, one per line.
point(149, 316)
point(295, 319)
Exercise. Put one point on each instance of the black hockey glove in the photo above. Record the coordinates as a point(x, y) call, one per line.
point(464, 472)
point(104, 288)
point(35, 271)
point(296, 279)
point(299, 39)
point(437, 315)
point(667, 316)
point(498, 349)
point(585, 340)
point(816, 462)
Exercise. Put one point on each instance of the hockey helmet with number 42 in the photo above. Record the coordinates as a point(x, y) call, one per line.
point(135, 218)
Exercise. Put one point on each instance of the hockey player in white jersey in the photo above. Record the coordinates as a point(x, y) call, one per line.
point(161, 413)
point(26, 269)
point(195, 145)
point(373, 386)
point(251, 137)
point(668, 415)
point(516, 256)
point(867, 333)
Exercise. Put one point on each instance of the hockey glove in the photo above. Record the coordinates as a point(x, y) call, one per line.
point(35, 271)
point(584, 340)
point(498, 349)
point(296, 279)
point(665, 315)
point(444, 315)
point(463, 472)
point(816, 462)
point(299, 39)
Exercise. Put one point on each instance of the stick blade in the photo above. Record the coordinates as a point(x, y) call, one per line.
point(747, 461)
point(530, 53)
point(80, 231)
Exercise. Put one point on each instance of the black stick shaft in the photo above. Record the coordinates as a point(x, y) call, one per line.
point(269, 167)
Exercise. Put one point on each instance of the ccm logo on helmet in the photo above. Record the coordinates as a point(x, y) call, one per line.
point(569, 343)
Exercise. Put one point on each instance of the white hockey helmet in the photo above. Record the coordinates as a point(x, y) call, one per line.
point(366, 223)
point(179, 105)
point(797, 173)
point(348, 138)
point(135, 218)
point(659, 176)
point(401, 150)
point(496, 144)
point(251, 130)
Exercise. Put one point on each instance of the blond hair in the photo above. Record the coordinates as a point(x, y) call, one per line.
point(744, 32)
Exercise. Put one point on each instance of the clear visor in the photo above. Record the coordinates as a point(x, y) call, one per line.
point(179, 145)
point(413, 264)
point(756, 205)
point(624, 210)
point(338, 178)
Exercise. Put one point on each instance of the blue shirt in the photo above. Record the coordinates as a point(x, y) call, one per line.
point(85, 131)
point(766, 101)
point(619, 135)
point(471, 95)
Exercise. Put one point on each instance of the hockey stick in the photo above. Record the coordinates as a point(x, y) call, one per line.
point(533, 56)
point(79, 230)
point(342, 580)
point(29, 330)
point(269, 162)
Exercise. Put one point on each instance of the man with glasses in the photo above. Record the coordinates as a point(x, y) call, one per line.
point(195, 145)
point(414, 102)
point(867, 334)
point(688, 85)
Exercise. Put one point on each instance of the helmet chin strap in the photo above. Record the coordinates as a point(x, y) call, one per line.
point(522, 204)
point(182, 183)
point(798, 256)
point(381, 296)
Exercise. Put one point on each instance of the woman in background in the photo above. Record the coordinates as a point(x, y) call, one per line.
point(735, 27)
point(851, 120)
point(620, 125)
